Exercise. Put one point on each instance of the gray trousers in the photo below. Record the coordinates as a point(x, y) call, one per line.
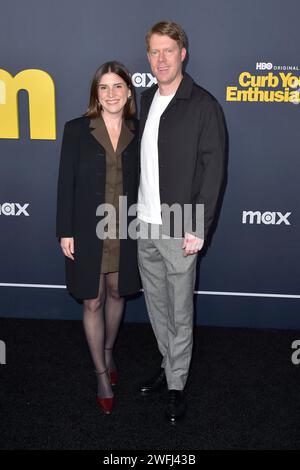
point(168, 280)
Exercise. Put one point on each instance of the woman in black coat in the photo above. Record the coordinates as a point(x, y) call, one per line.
point(99, 163)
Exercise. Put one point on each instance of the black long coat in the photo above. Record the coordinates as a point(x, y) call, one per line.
point(191, 149)
point(81, 189)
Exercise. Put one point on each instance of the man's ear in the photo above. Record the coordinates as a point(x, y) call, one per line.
point(183, 54)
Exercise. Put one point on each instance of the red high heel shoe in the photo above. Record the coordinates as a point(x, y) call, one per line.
point(113, 374)
point(106, 404)
point(113, 377)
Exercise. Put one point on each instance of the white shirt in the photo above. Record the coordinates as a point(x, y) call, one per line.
point(148, 208)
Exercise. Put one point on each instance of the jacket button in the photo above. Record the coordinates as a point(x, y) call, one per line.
point(99, 193)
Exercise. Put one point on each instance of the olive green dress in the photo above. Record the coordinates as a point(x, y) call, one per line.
point(113, 186)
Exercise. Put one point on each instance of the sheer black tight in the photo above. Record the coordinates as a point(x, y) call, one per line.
point(101, 320)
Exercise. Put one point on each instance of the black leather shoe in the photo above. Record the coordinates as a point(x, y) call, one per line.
point(176, 406)
point(155, 384)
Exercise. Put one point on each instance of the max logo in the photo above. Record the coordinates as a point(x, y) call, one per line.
point(144, 80)
point(267, 218)
point(13, 208)
point(41, 96)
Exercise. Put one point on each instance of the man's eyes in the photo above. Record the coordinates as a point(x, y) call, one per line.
point(166, 51)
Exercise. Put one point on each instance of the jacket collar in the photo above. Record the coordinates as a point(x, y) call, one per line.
point(99, 131)
point(183, 91)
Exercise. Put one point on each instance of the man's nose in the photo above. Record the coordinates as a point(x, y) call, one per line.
point(161, 56)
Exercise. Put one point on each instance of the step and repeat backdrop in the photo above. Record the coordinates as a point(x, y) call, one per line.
point(247, 55)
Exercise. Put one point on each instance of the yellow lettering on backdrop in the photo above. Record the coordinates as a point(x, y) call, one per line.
point(41, 94)
point(289, 80)
point(231, 93)
point(270, 80)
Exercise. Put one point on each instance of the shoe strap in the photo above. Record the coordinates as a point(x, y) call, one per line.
point(101, 373)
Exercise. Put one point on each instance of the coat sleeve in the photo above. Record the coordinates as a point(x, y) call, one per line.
point(66, 182)
point(211, 155)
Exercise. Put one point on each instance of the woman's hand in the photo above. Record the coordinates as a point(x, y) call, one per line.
point(67, 246)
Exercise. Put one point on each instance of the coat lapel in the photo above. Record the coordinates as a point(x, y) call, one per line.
point(99, 131)
point(184, 91)
point(126, 137)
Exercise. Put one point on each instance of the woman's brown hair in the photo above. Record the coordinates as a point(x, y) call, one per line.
point(94, 110)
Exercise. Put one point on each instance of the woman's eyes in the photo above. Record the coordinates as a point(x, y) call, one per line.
point(104, 87)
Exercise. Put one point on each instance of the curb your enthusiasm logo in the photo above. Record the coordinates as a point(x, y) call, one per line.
point(269, 87)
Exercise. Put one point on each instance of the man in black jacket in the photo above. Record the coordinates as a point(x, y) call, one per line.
point(182, 166)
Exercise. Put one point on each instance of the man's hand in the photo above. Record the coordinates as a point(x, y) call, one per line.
point(191, 244)
point(67, 246)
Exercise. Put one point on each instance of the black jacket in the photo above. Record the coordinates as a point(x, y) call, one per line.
point(81, 189)
point(191, 148)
